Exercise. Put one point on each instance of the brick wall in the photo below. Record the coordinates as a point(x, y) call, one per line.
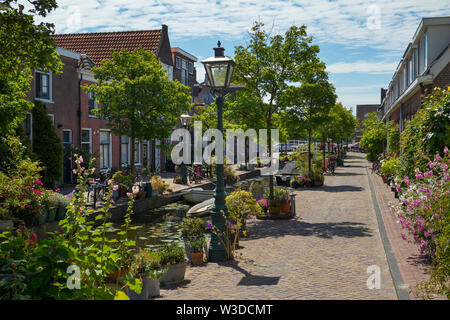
point(442, 80)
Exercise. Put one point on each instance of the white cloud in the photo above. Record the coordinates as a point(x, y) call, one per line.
point(348, 22)
point(367, 67)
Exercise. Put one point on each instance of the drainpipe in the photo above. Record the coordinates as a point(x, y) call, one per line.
point(79, 109)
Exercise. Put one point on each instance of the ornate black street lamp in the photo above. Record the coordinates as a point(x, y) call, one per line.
point(184, 122)
point(219, 70)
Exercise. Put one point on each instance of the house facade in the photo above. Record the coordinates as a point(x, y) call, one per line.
point(425, 64)
point(362, 112)
point(71, 107)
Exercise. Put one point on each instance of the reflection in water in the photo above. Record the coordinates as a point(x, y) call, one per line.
point(160, 226)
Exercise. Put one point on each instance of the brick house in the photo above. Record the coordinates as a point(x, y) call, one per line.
point(362, 112)
point(70, 106)
point(425, 65)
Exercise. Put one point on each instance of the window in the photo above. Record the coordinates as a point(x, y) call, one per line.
point(145, 155)
point(86, 144)
point(43, 85)
point(425, 51)
point(105, 149)
point(67, 136)
point(137, 152)
point(191, 67)
point(52, 116)
point(125, 149)
point(91, 104)
point(411, 68)
point(184, 72)
point(178, 62)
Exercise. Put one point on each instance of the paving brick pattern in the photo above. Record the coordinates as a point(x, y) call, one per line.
point(323, 253)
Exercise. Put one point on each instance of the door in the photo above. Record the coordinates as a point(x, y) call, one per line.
point(67, 163)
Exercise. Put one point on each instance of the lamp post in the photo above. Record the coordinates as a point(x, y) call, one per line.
point(184, 122)
point(219, 70)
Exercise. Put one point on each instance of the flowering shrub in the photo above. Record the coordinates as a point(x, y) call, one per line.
point(230, 236)
point(424, 211)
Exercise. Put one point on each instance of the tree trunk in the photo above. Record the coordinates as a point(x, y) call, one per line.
point(309, 150)
point(132, 155)
point(323, 153)
point(269, 137)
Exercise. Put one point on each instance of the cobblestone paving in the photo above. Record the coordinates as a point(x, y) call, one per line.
point(321, 254)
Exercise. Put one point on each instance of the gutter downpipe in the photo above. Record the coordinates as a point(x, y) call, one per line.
point(79, 109)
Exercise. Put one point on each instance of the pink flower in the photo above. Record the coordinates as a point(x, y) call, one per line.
point(82, 168)
point(128, 194)
point(38, 192)
point(403, 236)
point(407, 180)
point(445, 167)
point(445, 150)
point(116, 187)
point(419, 176)
point(74, 171)
point(135, 189)
point(58, 189)
point(81, 159)
point(419, 151)
point(92, 170)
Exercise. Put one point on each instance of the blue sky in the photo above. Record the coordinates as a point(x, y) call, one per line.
point(361, 41)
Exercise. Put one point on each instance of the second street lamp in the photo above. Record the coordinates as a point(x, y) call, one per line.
point(219, 70)
point(184, 122)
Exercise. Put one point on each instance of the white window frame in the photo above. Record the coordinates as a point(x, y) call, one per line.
point(191, 67)
point(177, 62)
point(50, 86)
point(122, 163)
point(425, 51)
point(137, 146)
point(90, 138)
point(110, 147)
point(52, 116)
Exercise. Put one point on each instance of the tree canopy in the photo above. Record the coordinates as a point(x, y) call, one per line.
point(24, 46)
point(136, 96)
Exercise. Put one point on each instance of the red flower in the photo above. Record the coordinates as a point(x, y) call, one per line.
point(33, 236)
point(32, 243)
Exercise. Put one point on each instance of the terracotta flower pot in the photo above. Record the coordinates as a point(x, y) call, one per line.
point(118, 273)
point(197, 258)
point(285, 207)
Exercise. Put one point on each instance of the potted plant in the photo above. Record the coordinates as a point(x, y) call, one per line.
point(63, 202)
point(53, 205)
point(191, 228)
point(173, 257)
point(317, 178)
point(157, 185)
point(146, 266)
point(196, 247)
point(280, 194)
point(123, 181)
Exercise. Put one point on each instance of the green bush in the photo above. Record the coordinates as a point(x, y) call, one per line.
point(171, 254)
point(427, 133)
point(47, 146)
point(192, 227)
point(390, 167)
point(374, 136)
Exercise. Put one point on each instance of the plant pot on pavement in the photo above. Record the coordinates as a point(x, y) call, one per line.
point(285, 207)
point(175, 273)
point(150, 288)
point(51, 214)
point(42, 217)
point(197, 258)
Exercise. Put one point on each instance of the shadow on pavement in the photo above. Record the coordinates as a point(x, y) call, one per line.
point(293, 227)
point(342, 188)
point(248, 279)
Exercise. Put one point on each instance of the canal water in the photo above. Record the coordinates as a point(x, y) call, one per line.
point(160, 226)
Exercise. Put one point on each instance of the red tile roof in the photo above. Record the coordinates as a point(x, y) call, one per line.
point(98, 45)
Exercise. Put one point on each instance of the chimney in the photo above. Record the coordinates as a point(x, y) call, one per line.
point(383, 94)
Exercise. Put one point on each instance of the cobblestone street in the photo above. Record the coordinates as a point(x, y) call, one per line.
point(323, 253)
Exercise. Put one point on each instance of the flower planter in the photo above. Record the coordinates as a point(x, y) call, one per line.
point(155, 192)
point(274, 210)
point(285, 207)
point(175, 273)
point(197, 258)
point(51, 214)
point(61, 213)
point(150, 288)
point(42, 218)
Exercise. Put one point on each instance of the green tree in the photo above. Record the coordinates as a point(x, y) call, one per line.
point(312, 101)
point(374, 136)
point(47, 145)
point(267, 67)
point(24, 46)
point(137, 97)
